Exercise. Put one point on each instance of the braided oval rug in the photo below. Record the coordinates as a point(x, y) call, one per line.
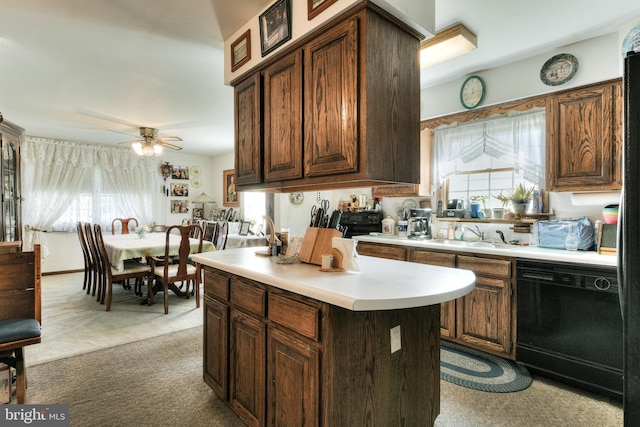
point(477, 370)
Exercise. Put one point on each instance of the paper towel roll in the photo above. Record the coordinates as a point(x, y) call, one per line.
point(347, 247)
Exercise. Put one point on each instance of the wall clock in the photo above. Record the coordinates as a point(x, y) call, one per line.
point(559, 69)
point(296, 198)
point(472, 92)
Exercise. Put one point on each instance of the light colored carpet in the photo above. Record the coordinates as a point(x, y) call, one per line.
point(75, 323)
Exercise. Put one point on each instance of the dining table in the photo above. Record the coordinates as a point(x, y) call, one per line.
point(121, 247)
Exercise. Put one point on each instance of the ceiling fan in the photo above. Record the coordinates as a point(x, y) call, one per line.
point(150, 143)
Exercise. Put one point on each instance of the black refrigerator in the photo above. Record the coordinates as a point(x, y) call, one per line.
point(629, 240)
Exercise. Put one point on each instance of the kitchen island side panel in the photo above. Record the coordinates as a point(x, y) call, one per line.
point(364, 383)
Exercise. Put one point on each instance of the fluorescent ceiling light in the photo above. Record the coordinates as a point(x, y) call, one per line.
point(447, 44)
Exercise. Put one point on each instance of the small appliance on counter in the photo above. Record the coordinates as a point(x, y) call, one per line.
point(419, 224)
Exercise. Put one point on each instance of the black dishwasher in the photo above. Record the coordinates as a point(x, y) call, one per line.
point(569, 325)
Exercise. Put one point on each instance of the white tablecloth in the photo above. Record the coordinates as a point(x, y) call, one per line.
point(128, 246)
point(238, 241)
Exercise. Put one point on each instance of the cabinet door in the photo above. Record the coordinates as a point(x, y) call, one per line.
point(331, 71)
point(584, 139)
point(293, 381)
point(484, 316)
point(447, 309)
point(247, 368)
point(248, 147)
point(216, 346)
point(283, 118)
point(382, 251)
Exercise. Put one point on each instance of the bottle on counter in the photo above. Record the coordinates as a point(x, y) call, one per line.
point(458, 232)
point(451, 232)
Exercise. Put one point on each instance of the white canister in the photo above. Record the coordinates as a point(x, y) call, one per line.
point(402, 228)
point(388, 226)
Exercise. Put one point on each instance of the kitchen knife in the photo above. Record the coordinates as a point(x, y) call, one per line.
point(318, 219)
point(335, 219)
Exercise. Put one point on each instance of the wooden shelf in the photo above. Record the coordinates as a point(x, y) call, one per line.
point(492, 220)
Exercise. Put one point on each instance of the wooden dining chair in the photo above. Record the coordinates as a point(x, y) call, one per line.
point(221, 239)
point(88, 268)
point(124, 223)
point(211, 232)
point(96, 269)
point(178, 269)
point(111, 275)
point(20, 311)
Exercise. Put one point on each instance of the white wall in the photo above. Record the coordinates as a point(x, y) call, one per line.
point(599, 59)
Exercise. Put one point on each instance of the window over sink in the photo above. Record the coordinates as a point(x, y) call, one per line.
point(483, 158)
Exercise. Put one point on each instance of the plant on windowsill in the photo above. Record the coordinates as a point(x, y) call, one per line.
point(520, 198)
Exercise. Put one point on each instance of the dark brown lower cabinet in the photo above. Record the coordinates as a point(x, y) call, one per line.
point(246, 367)
point(293, 369)
point(484, 318)
point(281, 359)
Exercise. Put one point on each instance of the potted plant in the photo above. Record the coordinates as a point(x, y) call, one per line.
point(520, 198)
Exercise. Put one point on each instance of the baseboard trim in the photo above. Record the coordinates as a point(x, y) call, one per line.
point(53, 273)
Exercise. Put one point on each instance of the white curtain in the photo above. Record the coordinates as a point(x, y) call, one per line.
point(515, 140)
point(55, 172)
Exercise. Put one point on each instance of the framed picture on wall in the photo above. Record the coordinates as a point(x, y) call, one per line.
point(315, 7)
point(179, 206)
point(179, 190)
point(241, 51)
point(180, 172)
point(275, 26)
point(229, 188)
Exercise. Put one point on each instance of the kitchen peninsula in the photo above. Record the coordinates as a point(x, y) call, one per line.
point(287, 344)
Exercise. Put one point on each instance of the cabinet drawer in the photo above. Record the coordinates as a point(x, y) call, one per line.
point(486, 266)
point(432, 258)
point(248, 296)
point(295, 315)
point(216, 285)
point(382, 251)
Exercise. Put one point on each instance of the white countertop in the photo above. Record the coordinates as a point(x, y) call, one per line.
point(524, 252)
point(380, 284)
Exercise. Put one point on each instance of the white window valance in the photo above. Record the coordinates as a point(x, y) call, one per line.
point(515, 140)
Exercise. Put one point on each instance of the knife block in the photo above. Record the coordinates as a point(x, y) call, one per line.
point(316, 242)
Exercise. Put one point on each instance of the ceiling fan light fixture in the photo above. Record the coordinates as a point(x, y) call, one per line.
point(157, 149)
point(446, 44)
point(147, 150)
point(137, 148)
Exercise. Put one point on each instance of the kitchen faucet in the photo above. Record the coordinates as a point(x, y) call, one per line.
point(478, 233)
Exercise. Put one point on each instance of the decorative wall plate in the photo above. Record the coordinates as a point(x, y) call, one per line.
point(559, 69)
point(296, 198)
point(196, 182)
point(631, 42)
point(195, 171)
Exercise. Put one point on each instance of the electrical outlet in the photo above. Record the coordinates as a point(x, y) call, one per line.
point(396, 341)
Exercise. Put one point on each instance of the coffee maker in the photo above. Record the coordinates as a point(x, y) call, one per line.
point(419, 226)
